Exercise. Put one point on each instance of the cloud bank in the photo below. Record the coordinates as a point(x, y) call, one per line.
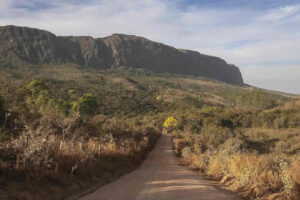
point(264, 43)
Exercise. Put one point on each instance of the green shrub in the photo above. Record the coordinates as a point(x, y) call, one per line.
point(85, 105)
point(195, 101)
point(35, 87)
point(214, 136)
point(255, 99)
point(63, 106)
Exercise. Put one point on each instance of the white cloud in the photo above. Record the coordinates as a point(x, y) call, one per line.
point(4, 5)
point(242, 36)
point(287, 9)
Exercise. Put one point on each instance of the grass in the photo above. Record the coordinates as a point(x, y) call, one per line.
point(55, 162)
point(75, 128)
point(256, 162)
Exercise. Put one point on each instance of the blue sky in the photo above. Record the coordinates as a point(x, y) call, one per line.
point(261, 37)
point(255, 4)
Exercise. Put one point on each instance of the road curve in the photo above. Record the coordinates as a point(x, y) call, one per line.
point(160, 178)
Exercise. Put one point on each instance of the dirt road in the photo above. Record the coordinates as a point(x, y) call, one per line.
point(160, 178)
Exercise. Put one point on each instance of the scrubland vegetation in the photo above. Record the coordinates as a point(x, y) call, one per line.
point(252, 152)
point(62, 132)
point(66, 128)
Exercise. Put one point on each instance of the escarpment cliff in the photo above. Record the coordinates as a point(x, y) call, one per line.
point(20, 45)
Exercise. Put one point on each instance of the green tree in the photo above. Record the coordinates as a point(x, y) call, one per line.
point(85, 105)
point(63, 106)
point(38, 96)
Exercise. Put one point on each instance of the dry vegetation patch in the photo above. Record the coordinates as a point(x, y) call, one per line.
point(201, 82)
point(65, 128)
point(256, 161)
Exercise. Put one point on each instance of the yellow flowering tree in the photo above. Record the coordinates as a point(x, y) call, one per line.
point(170, 123)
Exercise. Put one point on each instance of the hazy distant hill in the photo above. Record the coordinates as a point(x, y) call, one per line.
point(22, 45)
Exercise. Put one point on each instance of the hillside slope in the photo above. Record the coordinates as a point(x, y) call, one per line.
point(22, 45)
point(65, 129)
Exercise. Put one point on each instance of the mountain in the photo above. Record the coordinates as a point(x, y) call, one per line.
point(22, 45)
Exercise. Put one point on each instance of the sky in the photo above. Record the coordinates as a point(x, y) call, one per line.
point(261, 37)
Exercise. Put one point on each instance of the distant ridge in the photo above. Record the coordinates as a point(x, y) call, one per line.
point(23, 45)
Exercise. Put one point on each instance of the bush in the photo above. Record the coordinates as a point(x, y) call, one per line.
point(200, 148)
point(195, 101)
point(256, 99)
point(85, 105)
point(35, 87)
point(186, 152)
point(215, 136)
point(170, 123)
point(233, 146)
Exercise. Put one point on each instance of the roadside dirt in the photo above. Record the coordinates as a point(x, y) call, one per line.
point(160, 177)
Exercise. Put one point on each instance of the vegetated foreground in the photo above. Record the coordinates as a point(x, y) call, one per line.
point(65, 129)
point(160, 177)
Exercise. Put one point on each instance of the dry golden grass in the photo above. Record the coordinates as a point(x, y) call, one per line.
point(293, 104)
point(73, 162)
point(253, 176)
point(172, 95)
point(201, 82)
point(215, 99)
point(124, 82)
point(267, 176)
point(285, 140)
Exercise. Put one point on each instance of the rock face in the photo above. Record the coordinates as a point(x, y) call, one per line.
point(93, 51)
point(20, 45)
